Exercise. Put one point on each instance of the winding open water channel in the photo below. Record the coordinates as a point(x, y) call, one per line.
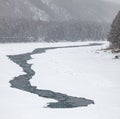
point(22, 82)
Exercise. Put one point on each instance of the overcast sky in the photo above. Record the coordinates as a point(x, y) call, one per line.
point(117, 1)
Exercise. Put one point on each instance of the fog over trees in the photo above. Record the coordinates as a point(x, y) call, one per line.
point(55, 20)
point(29, 30)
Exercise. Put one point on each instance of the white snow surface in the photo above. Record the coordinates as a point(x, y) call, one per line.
point(87, 72)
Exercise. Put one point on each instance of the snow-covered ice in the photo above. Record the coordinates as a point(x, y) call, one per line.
point(83, 72)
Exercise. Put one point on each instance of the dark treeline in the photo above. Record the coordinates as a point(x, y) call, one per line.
point(24, 30)
point(114, 35)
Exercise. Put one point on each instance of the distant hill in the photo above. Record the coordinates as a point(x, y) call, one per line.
point(33, 18)
point(96, 10)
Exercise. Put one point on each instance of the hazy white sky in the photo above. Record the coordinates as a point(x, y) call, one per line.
point(117, 1)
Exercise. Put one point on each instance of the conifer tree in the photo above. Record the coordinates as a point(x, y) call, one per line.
point(114, 35)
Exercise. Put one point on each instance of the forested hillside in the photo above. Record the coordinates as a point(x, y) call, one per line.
point(29, 30)
point(55, 20)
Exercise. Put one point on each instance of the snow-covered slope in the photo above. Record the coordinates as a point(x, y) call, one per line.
point(55, 20)
point(82, 71)
point(95, 10)
point(21, 9)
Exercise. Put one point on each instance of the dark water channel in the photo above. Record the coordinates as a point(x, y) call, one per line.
point(22, 82)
